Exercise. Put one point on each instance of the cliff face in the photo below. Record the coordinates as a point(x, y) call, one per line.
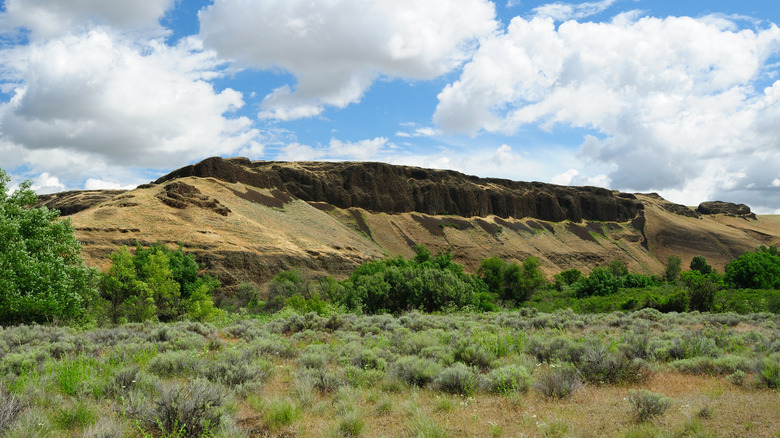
point(380, 187)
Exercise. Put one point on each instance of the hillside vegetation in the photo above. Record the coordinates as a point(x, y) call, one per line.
point(154, 346)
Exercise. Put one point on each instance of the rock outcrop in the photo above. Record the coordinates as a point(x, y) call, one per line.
point(381, 187)
point(728, 208)
point(72, 202)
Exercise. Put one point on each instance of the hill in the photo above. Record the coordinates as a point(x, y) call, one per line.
point(246, 221)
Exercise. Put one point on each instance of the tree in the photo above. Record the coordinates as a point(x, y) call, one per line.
point(754, 270)
point(673, 268)
point(600, 282)
point(156, 282)
point(699, 263)
point(511, 281)
point(42, 274)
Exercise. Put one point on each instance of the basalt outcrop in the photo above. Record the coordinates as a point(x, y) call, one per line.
point(728, 208)
point(381, 187)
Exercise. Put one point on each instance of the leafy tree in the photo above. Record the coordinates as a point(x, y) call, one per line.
point(42, 275)
point(699, 264)
point(425, 283)
point(511, 281)
point(701, 289)
point(618, 268)
point(126, 297)
point(567, 278)
point(600, 282)
point(754, 270)
point(156, 282)
point(673, 268)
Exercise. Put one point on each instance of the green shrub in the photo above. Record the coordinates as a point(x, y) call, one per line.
point(456, 379)
point(174, 363)
point(769, 372)
point(10, 408)
point(600, 365)
point(79, 415)
point(350, 425)
point(415, 371)
point(234, 368)
point(508, 379)
point(280, 412)
point(190, 409)
point(648, 404)
point(558, 381)
point(600, 282)
point(754, 270)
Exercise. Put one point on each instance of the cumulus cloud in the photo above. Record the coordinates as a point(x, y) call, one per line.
point(361, 150)
point(336, 50)
point(571, 11)
point(106, 99)
point(670, 102)
point(500, 162)
point(49, 18)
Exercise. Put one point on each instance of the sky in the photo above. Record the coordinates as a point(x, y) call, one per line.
point(678, 98)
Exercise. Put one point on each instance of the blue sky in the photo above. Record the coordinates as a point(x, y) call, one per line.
point(679, 98)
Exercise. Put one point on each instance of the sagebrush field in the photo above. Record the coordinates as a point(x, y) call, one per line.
point(497, 374)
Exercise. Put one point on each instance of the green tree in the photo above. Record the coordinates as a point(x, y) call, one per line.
point(511, 281)
point(701, 289)
point(600, 282)
point(156, 282)
point(126, 297)
point(754, 270)
point(673, 268)
point(42, 274)
point(699, 264)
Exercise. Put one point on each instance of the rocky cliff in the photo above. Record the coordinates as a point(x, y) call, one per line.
point(247, 221)
point(381, 187)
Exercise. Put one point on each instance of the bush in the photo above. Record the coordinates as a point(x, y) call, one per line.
point(509, 379)
point(10, 408)
point(42, 275)
point(457, 379)
point(558, 381)
point(156, 283)
point(648, 404)
point(769, 372)
point(754, 270)
point(416, 371)
point(191, 409)
point(511, 281)
point(600, 282)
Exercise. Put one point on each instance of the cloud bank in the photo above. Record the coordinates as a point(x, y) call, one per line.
point(337, 49)
point(672, 103)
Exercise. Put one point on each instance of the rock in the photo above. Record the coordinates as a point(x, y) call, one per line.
point(385, 188)
point(728, 208)
point(72, 202)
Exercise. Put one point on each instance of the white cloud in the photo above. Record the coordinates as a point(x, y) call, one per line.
point(49, 18)
point(116, 102)
point(45, 183)
point(99, 184)
point(573, 177)
point(337, 49)
point(569, 11)
point(671, 102)
point(361, 150)
point(300, 152)
point(500, 162)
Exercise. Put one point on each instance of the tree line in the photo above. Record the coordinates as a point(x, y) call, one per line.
point(43, 279)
